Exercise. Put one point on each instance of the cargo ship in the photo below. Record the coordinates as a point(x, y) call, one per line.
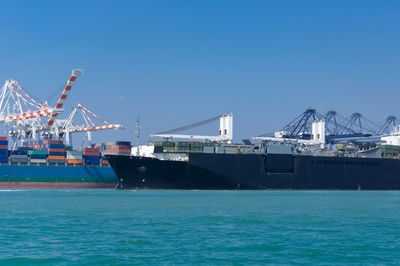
point(274, 163)
point(51, 164)
point(40, 153)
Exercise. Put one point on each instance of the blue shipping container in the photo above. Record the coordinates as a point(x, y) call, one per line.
point(19, 152)
point(57, 153)
point(56, 161)
point(3, 142)
point(91, 157)
point(55, 146)
point(38, 156)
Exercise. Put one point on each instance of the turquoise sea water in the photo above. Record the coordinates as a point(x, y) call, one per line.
point(198, 227)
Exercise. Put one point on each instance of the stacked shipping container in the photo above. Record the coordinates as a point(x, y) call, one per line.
point(3, 149)
point(55, 150)
point(91, 156)
point(118, 147)
point(38, 156)
point(19, 156)
point(74, 157)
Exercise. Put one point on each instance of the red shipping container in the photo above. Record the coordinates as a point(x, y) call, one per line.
point(3, 147)
point(118, 152)
point(91, 150)
point(2, 138)
point(91, 153)
point(50, 141)
point(116, 147)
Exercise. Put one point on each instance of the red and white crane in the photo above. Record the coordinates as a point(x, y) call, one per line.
point(88, 126)
point(63, 97)
point(24, 116)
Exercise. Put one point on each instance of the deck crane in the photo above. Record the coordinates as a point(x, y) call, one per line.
point(225, 134)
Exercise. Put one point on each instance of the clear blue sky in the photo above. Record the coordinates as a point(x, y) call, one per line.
point(176, 62)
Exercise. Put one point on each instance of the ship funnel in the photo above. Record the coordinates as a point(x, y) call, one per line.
point(318, 130)
point(226, 127)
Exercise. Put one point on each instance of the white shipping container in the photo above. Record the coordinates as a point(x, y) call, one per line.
point(38, 161)
point(18, 156)
point(74, 157)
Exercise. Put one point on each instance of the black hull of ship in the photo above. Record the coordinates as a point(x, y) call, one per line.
point(255, 171)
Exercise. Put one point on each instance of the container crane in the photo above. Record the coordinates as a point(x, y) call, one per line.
point(27, 114)
point(68, 127)
point(75, 73)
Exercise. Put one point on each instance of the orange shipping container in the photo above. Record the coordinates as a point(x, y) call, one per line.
point(74, 161)
point(54, 157)
point(3, 147)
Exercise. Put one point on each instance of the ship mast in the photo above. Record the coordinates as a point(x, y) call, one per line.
point(137, 136)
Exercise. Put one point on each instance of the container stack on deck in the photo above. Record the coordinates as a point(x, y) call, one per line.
point(19, 156)
point(38, 156)
point(118, 147)
point(91, 156)
point(3, 149)
point(390, 151)
point(74, 157)
point(55, 150)
point(42, 152)
point(184, 146)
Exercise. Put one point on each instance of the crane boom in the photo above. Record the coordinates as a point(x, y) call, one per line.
point(28, 115)
point(96, 128)
point(67, 88)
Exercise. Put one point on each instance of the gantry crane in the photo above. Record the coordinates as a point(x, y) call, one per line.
point(24, 117)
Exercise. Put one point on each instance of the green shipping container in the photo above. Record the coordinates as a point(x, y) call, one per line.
point(182, 144)
point(33, 152)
